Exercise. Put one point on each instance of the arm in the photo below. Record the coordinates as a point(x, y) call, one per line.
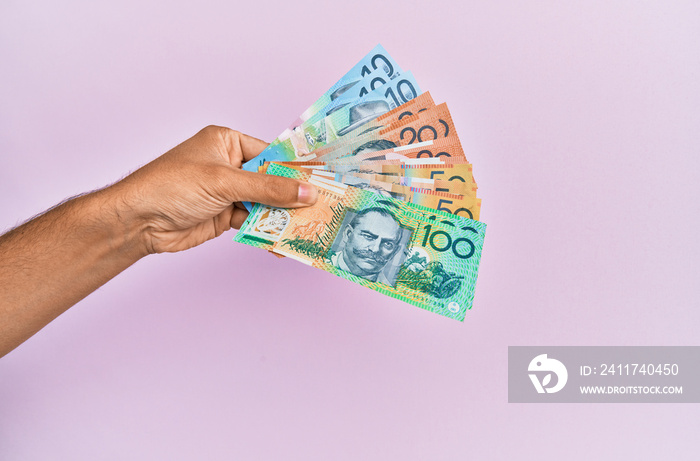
point(183, 198)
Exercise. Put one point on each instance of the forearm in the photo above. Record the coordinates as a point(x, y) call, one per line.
point(187, 196)
point(57, 259)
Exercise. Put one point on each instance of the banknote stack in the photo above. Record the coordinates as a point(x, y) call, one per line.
point(397, 210)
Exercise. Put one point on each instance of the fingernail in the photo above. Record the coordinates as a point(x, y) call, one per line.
point(307, 194)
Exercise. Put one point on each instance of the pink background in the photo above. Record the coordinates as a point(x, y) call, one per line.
point(582, 123)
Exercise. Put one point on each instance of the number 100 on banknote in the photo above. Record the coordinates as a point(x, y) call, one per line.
point(422, 256)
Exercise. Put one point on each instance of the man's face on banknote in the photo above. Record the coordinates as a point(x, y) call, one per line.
point(375, 146)
point(371, 241)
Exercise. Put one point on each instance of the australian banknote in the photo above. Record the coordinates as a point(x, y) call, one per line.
point(398, 209)
point(376, 60)
point(422, 256)
point(431, 124)
point(322, 129)
point(445, 198)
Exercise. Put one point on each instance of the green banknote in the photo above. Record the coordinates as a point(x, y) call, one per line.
point(419, 255)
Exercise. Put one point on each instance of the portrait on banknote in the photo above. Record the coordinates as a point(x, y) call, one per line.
point(376, 145)
point(371, 244)
point(378, 187)
point(362, 113)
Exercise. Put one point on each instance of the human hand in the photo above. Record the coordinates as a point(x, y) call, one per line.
point(193, 192)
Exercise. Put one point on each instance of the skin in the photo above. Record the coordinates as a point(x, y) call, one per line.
point(181, 199)
point(370, 244)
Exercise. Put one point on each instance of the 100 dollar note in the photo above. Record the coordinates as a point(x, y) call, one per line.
point(422, 256)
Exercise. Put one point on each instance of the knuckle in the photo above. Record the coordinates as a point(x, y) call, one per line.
point(215, 130)
point(209, 129)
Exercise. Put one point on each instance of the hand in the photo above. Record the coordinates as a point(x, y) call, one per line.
point(193, 192)
point(183, 198)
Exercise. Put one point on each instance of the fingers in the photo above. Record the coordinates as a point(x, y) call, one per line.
point(272, 190)
point(250, 146)
point(247, 145)
point(238, 217)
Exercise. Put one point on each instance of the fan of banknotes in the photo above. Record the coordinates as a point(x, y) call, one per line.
point(397, 209)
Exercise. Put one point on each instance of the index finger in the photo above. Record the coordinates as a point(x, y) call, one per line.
point(250, 146)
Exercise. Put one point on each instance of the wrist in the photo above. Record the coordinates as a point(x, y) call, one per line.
point(125, 227)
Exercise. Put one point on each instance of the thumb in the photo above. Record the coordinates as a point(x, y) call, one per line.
point(272, 190)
